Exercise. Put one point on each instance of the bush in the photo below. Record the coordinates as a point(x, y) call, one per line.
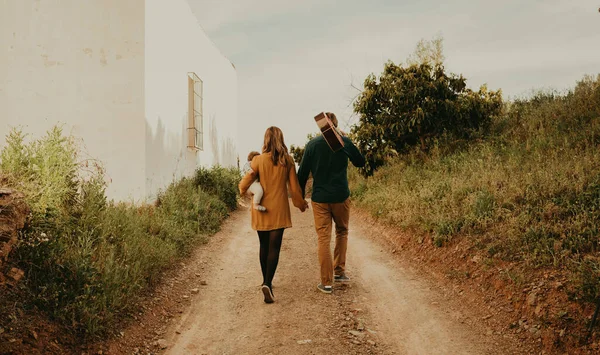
point(188, 212)
point(221, 182)
point(298, 152)
point(415, 106)
point(528, 193)
point(88, 259)
point(45, 171)
point(588, 278)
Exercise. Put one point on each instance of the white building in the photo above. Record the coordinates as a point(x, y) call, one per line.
point(138, 81)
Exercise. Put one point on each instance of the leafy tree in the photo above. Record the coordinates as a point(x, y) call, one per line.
point(428, 52)
point(298, 152)
point(414, 105)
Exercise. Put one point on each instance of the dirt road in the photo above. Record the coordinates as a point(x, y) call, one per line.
point(385, 309)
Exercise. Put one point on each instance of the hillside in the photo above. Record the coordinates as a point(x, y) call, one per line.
point(515, 210)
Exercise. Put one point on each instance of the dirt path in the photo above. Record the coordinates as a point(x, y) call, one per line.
point(386, 309)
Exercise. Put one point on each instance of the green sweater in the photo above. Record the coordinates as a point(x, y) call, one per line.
point(329, 169)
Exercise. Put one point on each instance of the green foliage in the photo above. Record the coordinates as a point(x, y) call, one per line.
point(188, 211)
point(221, 182)
point(428, 52)
point(45, 170)
point(298, 152)
point(528, 193)
point(87, 259)
point(414, 106)
point(588, 278)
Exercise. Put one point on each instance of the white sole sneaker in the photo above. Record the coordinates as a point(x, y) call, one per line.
point(342, 278)
point(325, 289)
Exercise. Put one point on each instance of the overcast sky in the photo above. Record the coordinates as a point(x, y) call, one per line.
point(297, 58)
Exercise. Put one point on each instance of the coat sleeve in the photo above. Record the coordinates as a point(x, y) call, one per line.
point(249, 178)
point(304, 169)
point(295, 190)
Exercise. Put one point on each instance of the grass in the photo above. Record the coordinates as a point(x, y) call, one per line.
point(88, 259)
point(528, 191)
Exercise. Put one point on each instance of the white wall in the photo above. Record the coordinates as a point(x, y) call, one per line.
point(176, 45)
point(114, 72)
point(80, 63)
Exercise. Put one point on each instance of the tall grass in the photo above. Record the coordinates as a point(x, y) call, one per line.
point(87, 259)
point(528, 191)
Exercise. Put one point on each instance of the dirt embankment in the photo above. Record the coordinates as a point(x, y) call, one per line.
point(538, 312)
point(13, 214)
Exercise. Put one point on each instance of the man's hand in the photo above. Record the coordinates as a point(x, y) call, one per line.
point(304, 207)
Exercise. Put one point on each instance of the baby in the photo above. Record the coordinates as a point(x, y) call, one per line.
point(255, 189)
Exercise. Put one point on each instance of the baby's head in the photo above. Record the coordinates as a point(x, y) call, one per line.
point(252, 155)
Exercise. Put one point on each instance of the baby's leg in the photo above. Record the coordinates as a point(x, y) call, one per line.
point(258, 192)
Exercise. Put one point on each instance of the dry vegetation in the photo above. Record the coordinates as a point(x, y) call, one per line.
point(87, 259)
point(525, 193)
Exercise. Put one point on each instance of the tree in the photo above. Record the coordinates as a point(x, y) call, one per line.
point(298, 152)
point(411, 106)
point(428, 52)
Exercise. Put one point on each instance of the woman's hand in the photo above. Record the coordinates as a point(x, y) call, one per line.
point(304, 206)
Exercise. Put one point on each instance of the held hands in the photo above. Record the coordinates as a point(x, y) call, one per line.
point(304, 206)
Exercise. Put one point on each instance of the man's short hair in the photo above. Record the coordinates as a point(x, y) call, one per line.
point(332, 117)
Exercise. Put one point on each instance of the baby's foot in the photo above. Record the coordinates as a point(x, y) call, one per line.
point(260, 208)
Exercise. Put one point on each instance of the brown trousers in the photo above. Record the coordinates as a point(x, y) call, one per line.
point(324, 213)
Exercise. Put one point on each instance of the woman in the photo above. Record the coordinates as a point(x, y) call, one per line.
point(276, 170)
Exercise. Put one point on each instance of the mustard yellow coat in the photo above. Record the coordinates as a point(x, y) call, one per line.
point(274, 180)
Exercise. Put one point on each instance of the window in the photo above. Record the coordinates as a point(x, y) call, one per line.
point(195, 121)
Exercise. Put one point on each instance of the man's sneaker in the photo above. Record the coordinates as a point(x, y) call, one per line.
point(341, 278)
point(325, 289)
point(268, 294)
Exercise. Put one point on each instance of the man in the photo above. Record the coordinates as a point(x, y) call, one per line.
point(330, 201)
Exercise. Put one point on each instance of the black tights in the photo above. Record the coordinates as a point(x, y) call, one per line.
point(270, 245)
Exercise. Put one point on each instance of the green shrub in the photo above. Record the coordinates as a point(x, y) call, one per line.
point(528, 193)
point(298, 152)
point(221, 182)
point(588, 278)
point(417, 105)
point(45, 171)
point(188, 212)
point(87, 259)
